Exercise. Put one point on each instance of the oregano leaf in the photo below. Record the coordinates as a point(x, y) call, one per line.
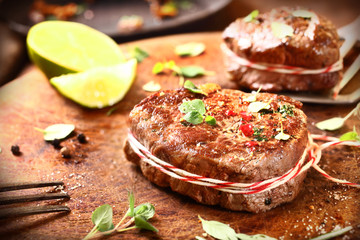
point(258, 106)
point(331, 124)
point(57, 131)
point(190, 49)
point(195, 105)
point(210, 120)
point(192, 71)
point(193, 88)
point(218, 230)
point(194, 117)
point(281, 30)
point(140, 222)
point(251, 16)
point(102, 218)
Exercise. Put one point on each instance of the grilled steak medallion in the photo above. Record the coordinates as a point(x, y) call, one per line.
point(241, 147)
point(314, 44)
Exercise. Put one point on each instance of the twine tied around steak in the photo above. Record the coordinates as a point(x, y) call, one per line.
point(278, 67)
point(313, 151)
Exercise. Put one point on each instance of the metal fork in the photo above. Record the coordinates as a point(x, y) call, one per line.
point(29, 210)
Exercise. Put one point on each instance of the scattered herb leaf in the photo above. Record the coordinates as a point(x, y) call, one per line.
point(210, 120)
point(218, 230)
point(243, 236)
point(281, 30)
point(189, 85)
point(145, 210)
point(194, 117)
point(192, 71)
point(337, 122)
point(195, 105)
point(252, 97)
point(333, 234)
point(140, 222)
point(56, 131)
point(258, 106)
point(111, 110)
point(151, 87)
point(251, 16)
point(303, 13)
point(139, 54)
point(102, 218)
point(350, 136)
point(131, 200)
point(190, 49)
point(158, 68)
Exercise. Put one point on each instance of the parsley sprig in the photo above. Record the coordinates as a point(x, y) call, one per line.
point(102, 219)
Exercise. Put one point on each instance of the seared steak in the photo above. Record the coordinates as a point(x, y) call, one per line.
point(241, 147)
point(313, 45)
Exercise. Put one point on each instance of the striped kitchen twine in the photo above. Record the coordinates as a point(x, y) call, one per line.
point(313, 151)
point(277, 67)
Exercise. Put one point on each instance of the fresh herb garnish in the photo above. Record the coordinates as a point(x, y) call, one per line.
point(257, 134)
point(102, 218)
point(194, 71)
point(210, 120)
point(195, 105)
point(189, 85)
point(139, 54)
point(151, 87)
point(252, 97)
point(281, 30)
point(191, 49)
point(258, 106)
point(281, 135)
point(56, 131)
point(350, 136)
point(251, 16)
point(223, 231)
point(195, 110)
point(303, 13)
point(286, 110)
point(337, 122)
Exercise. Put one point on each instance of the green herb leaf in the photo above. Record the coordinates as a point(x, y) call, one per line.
point(331, 124)
point(243, 236)
point(57, 131)
point(350, 136)
point(210, 120)
point(302, 13)
point(287, 110)
point(281, 30)
point(192, 71)
point(192, 88)
point(145, 210)
point(282, 136)
point(195, 105)
point(199, 238)
point(333, 234)
point(139, 54)
point(251, 16)
point(194, 117)
point(102, 218)
point(140, 222)
point(151, 87)
point(131, 200)
point(190, 49)
point(258, 106)
point(252, 97)
point(158, 68)
point(337, 122)
point(218, 230)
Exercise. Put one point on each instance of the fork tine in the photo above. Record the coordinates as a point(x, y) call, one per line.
point(31, 198)
point(26, 185)
point(23, 211)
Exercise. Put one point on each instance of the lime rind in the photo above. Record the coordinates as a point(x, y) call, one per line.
point(60, 47)
point(97, 87)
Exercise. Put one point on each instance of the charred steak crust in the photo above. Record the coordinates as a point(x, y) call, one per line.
point(255, 41)
point(227, 151)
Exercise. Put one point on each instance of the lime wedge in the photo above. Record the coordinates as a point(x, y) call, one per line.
point(60, 47)
point(97, 87)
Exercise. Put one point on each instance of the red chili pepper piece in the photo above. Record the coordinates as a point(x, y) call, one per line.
point(251, 144)
point(245, 116)
point(230, 113)
point(247, 129)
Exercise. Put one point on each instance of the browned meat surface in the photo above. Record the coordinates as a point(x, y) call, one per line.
point(314, 44)
point(228, 150)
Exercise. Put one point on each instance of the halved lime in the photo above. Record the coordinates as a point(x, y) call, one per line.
point(97, 87)
point(59, 47)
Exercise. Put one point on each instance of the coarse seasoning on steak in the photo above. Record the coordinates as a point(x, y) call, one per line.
point(313, 43)
point(241, 147)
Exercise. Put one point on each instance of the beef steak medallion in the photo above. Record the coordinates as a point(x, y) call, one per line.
point(242, 146)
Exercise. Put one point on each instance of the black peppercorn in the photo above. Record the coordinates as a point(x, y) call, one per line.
point(267, 201)
point(65, 152)
point(15, 149)
point(81, 138)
